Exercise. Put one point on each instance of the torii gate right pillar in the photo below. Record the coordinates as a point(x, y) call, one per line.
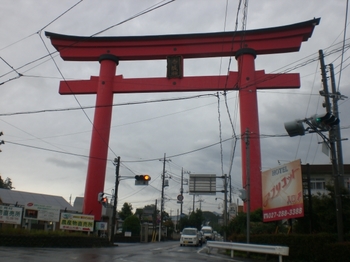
point(248, 103)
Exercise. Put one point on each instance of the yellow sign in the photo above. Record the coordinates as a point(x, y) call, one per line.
point(77, 222)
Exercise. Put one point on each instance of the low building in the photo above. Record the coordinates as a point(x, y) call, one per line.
point(322, 175)
point(31, 210)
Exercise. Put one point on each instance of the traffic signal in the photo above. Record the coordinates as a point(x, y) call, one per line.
point(1, 141)
point(242, 194)
point(295, 128)
point(104, 201)
point(324, 121)
point(101, 199)
point(142, 180)
point(100, 196)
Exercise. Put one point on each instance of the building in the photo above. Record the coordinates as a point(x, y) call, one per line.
point(322, 175)
point(17, 201)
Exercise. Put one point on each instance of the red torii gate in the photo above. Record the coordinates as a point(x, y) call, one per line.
point(110, 50)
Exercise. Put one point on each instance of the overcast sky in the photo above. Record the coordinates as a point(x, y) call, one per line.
point(46, 148)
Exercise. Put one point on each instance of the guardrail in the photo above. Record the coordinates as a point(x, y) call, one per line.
point(265, 249)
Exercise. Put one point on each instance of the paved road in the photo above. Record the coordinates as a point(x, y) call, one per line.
point(145, 252)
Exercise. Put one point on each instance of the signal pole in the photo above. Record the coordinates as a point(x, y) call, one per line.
point(335, 166)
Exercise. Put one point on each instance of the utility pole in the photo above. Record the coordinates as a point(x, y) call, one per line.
point(230, 189)
point(200, 203)
point(309, 196)
point(194, 200)
point(332, 137)
point(336, 97)
point(155, 214)
point(162, 200)
point(114, 215)
point(225, 206)
point(177, 220)
point(182, 190)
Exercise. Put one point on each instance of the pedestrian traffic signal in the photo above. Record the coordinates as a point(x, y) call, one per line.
point(324, 121)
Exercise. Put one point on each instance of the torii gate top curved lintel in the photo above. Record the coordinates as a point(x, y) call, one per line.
point(264, 41)
point(110, 50)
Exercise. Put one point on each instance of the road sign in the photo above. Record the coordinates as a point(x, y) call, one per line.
point(180, 198)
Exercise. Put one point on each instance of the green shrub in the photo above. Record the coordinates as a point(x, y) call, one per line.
point(40, 238)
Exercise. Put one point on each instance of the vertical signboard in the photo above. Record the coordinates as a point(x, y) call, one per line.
point(42, 212)
point(10, 215)
point(282, 192)
point(77, 222)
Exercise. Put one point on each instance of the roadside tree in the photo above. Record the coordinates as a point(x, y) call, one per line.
point(132, 224)
point(126, 211)
point(7, 184)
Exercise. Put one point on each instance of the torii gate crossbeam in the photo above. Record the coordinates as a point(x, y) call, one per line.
point(109, 51)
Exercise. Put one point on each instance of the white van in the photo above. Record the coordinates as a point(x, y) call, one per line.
point(190, 236)
point(208, 233)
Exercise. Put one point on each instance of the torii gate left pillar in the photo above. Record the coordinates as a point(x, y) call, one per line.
point(110, 50)
point(100, 135)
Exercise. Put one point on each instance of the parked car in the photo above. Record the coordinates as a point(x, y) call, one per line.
point(201, 238)
point(218, 238)
point(189, 236)
point(215, 235)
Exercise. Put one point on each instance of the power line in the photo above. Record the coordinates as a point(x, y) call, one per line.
point(149, 9)
point(262, 136)
point(114, 105)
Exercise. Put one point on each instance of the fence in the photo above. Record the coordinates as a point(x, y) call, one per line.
point(264, 249)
